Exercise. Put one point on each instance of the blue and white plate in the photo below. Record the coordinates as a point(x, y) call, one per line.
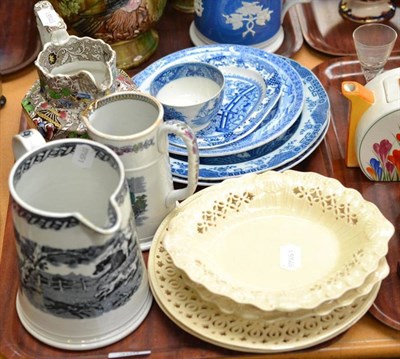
point(248, 98)
point(286, 166)
point(247, 63)
point(308, 133)
point(275, 123)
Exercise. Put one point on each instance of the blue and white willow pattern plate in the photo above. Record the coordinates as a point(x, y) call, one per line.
point(309, 132)
point(248, 98)
point(240, 60)
point(275, 123)
point(286, 166)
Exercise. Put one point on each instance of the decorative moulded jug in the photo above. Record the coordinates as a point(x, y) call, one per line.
point(254, 23)
point(72, 71)
point(83, 282)
point(374, 126)
point(127, 25)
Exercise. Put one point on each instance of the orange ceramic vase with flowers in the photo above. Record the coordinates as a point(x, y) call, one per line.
point(374, 126)
point(127, 25)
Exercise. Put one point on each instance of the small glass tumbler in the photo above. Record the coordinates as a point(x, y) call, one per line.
point(373, 43)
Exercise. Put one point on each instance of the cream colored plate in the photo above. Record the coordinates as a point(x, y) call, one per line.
point(278, 241)
point(204, 320)
point(323, 309)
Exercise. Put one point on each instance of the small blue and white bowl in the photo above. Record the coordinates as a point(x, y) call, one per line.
point(191, 92)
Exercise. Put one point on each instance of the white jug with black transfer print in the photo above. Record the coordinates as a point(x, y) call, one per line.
point(83, 282)
point(132, 125)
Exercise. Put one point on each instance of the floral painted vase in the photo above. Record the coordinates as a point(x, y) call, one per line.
point(374, 126)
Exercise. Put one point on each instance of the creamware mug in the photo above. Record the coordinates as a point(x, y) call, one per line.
point(131, 124)
point(83, 281)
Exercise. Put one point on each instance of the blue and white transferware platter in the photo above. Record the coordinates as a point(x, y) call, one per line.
point(309, 132)
point(259, 141)
point(275, 123)
point(248, 98)
point(247, 62)
point(286, 166)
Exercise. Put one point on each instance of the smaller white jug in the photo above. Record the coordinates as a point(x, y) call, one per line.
point(132, 125)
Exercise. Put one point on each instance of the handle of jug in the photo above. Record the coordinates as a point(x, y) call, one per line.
point(51, 26)
point(187, 135)
point(26, 141)
point(288, 4)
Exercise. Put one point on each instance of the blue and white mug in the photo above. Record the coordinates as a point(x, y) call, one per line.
point(253, 23)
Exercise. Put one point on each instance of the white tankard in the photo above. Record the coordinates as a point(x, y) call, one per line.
point(83, 282)
point(131, 124)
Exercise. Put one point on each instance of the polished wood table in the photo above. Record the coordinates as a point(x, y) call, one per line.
point(368, 338)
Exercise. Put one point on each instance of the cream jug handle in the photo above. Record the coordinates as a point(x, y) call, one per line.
point(26, 141)
point(183, 131)
point(288, 4)
point(51, 26)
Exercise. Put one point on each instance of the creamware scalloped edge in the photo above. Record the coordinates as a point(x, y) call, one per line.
point(204, 320)
point(327, 196)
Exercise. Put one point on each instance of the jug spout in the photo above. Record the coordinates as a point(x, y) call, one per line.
point(62, 186)
point(288, 4)
point(361, 99)
point(51, 26)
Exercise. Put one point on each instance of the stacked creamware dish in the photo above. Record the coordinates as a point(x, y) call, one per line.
point(270, 262)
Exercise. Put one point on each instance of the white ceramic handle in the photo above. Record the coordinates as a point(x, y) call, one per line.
point(26, 141)
point(183, 131)
point(51, 26)
point(288, 4)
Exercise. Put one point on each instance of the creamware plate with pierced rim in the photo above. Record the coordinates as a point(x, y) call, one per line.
point(277, 242)
point(204, 320)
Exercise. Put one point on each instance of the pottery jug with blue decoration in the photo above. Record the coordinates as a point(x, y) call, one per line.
point(254, 23)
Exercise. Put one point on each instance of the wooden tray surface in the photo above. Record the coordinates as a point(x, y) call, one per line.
point(157, 332)
point(325, 30)
point(386, 195)
point(19, 38)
